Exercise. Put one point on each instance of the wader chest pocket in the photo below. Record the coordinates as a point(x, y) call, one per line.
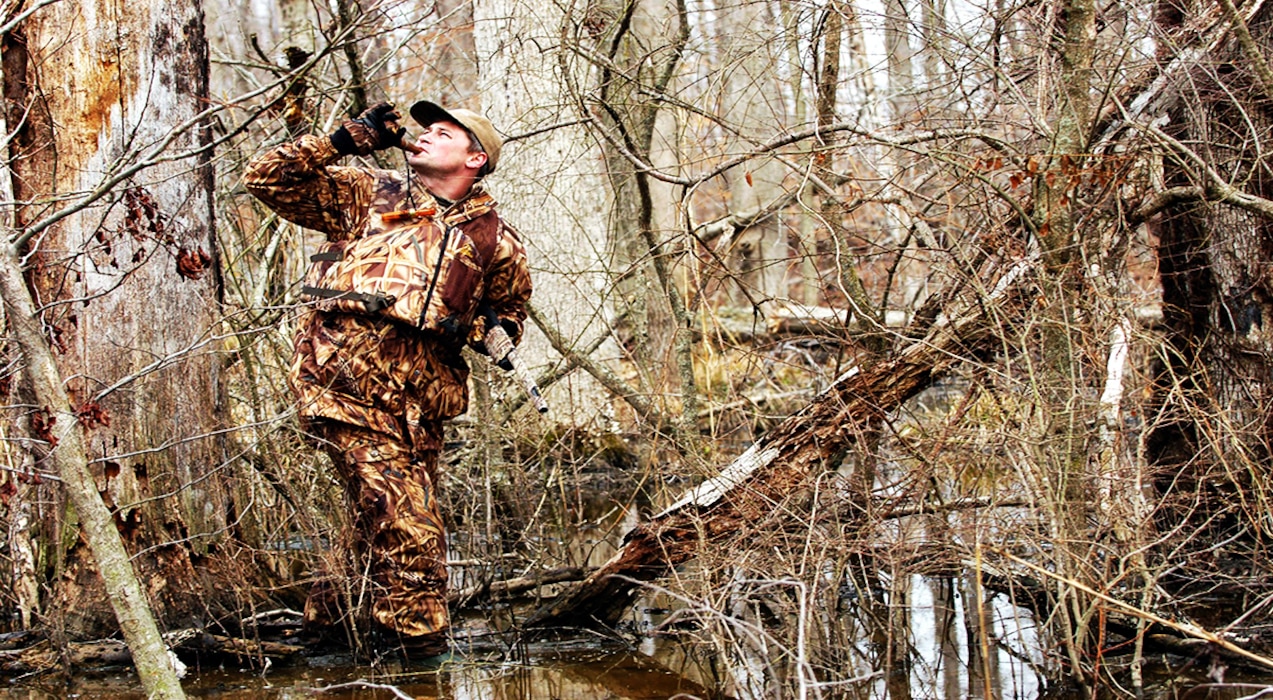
point(428, 276)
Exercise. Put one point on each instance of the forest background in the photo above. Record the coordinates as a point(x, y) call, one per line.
point(985, 285)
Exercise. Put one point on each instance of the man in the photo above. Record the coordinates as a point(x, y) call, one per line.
point(377, 367)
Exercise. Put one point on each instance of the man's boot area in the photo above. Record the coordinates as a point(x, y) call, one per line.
point(426, 649)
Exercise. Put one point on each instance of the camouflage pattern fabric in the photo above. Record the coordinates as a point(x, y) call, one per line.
point(399, 533)
point(375, 391)
point(425, 274)
point(374, 373)
point(363, 369)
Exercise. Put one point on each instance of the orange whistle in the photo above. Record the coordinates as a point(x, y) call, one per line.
point(408, 146)
point(393, 217)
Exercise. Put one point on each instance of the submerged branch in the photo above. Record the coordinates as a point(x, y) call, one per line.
point(513, 586)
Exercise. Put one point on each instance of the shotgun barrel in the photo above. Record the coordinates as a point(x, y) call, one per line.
point(500, 347)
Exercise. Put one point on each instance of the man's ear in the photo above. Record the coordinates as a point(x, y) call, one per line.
point(476, 160)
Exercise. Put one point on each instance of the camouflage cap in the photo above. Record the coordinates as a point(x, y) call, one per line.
point(480, 127)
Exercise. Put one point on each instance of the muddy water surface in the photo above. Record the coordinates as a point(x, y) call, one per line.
point(942, 665)
point(587, 668)
point(955, 642)
point(545, 676)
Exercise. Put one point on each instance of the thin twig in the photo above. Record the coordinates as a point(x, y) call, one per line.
point(366, 684)
point(1185, 628)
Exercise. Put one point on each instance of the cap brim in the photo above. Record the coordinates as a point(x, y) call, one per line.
point(426, 113)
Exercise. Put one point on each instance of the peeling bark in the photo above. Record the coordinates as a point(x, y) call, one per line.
point(126, 285)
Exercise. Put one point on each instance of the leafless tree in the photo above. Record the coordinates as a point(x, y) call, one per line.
point(1035, 228)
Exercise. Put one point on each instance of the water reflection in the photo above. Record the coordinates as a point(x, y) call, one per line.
point(984, 650)
point(956, 643)
point(575, 676)
point(881, 632)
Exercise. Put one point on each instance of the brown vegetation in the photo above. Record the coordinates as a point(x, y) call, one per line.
point(997, 303)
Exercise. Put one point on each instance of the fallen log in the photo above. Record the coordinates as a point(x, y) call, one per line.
point(496, 590)
point(43, 657)
point(239, 648)
point(783, 319)
point(806, 444)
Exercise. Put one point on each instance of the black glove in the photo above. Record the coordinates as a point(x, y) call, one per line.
point(374, 130)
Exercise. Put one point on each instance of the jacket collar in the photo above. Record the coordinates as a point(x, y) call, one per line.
point(474, 204)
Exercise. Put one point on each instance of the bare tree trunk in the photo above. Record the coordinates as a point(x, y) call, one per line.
point(64, 438)
point(23, 530)
point(1211, 432)
point(901, 68)
point(753, 104)
point(125, 279)
point(1061, 386)
point(297, 24)
point(933, 29)
point(840, 24)
point(642, 44)
point(805, 265)
point(550, 184)
point(457, 67)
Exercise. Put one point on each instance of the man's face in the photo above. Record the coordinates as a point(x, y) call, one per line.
point(444, 150)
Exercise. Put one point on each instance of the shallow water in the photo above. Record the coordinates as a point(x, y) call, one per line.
point(577, 675)
point(590, 667)
point(943, 664)
point(957, 644)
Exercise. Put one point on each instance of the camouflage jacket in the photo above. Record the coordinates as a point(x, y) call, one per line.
point(364, 369)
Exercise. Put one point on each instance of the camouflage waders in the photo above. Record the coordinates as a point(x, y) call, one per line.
point(400, 540)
